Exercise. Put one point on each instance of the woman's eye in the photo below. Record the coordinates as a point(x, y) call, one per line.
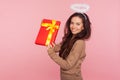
point(78, 23)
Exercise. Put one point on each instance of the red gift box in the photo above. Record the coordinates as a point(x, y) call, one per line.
point(48, 32)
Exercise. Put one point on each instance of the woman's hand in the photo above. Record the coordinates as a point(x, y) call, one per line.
point(50, 46)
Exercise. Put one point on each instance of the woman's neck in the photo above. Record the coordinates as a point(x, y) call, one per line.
point(73, 36)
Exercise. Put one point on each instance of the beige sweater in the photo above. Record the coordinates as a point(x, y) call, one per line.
point(71, 67)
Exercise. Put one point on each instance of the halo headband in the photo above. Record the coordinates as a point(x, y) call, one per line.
point(82, 8)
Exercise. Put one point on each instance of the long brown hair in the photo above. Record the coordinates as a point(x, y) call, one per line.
point(67, 40)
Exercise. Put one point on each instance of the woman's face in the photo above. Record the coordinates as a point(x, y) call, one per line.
point(76, 25)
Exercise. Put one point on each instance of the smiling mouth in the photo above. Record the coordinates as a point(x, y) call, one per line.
point(73, 30)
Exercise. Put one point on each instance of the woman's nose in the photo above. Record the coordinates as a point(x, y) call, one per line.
point(73, 26)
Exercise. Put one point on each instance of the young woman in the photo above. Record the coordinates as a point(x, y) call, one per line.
point(72, 48)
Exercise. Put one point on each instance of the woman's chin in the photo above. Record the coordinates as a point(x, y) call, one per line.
point(74, 33)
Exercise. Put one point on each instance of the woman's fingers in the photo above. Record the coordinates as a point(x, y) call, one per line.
point(53, 44)
point(49, 46)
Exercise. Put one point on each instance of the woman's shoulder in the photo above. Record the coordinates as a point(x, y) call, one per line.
point(80, 41)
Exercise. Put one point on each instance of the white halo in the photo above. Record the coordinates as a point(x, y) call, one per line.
point(80, 7)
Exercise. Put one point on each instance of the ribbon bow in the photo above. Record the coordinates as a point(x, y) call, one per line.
point(51, 27)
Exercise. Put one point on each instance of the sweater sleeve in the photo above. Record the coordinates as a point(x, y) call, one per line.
point(72, 58)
